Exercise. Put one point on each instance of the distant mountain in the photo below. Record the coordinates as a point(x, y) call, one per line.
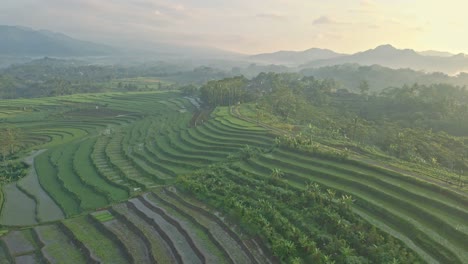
point(21, 41)
point(436, 53)
point(389, 56)
point(169, 51)
point(292, 58)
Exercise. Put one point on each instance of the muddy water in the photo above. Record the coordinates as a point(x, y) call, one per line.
point(20, 209)
point(47, 209)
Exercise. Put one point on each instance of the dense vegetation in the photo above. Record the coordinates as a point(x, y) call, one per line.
point(420, 124)
point(280, 168)
point(310, 225)
point(350, 76)
point(10, 142)
point(54, 77)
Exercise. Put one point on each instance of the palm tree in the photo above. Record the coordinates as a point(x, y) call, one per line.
point(276, 174)
point(346, 252)
point(277, 141)
point(331, 194)
point(346, 201)
point(314, 190)
point(311, 132)
point(327, 259)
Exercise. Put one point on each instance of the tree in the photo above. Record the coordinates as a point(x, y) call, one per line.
point(189, 90)
point(7, 87)
point(286, 103)
point(331, 194)
point(9, 144)
point(9, 141)
point(364, 87)
point(346, 201)
point(276, 174)
point(225, 92)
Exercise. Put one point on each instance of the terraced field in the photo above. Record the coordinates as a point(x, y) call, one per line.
point(112, 161)
point(153, 228)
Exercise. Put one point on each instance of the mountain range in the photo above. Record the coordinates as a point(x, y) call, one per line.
point(293, 58)
point(26, 42)
point(389, 56)
point(20, 42)
point(384, 55)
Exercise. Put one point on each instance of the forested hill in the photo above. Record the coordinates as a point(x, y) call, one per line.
point(425, 124)
point(52, 76)
point(350, 76)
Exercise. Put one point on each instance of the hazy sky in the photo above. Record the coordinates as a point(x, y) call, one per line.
point(252, 26)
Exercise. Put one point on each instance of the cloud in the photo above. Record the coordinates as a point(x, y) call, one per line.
point(365, 7)
point(418, 29)
point(324, 20)
point(367, 3)
point(178, 7)
point(271, 16)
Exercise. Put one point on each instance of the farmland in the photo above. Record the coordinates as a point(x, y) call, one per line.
point(127, 178)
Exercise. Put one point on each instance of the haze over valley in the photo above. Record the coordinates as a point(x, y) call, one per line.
point(156, 131)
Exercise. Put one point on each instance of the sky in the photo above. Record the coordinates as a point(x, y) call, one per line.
point(252, 26)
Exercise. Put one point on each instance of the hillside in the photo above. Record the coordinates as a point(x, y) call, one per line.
point(20, 41)
point(138, 183)
point(295, 57)
point(389, 56)
point(350, 76)
point(436, 53)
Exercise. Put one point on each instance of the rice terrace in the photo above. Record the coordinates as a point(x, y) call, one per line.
point(233, 132)
point(151, 177)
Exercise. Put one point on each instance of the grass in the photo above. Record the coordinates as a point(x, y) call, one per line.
point(63, 160)
point(102, 164)
point(200, 234)
point(141, 82)
point(84, 167)
point(417, 202)
point(157, 246)
point(406, 217)
point(100, 245)
point(118, 159)
point(150, 145)
point(54, 186)
point(103, 216)
point(58, 246)
point(227, 239)
point(134, 244)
